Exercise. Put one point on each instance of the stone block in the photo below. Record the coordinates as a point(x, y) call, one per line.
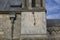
point(27, 22)
point(33, 23)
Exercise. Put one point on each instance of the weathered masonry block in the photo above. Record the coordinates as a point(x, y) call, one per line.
point(33, 23)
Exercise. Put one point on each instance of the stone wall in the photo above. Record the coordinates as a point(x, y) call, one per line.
point(26, 23)
point(5, 26)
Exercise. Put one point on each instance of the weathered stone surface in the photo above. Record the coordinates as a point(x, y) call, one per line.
point(27, 22)
point(17, 27)
point(33, 37)
point(5, 26)
point(33, 23)
point(29, 4)
point(40, 22)
point(38, 3)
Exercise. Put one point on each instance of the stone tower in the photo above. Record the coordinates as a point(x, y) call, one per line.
point(30, 23)
point(33, 20)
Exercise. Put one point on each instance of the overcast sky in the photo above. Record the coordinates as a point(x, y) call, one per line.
point(53, 9)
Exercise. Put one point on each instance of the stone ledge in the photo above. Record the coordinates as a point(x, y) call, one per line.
point(42, 36)
point(33, 37)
